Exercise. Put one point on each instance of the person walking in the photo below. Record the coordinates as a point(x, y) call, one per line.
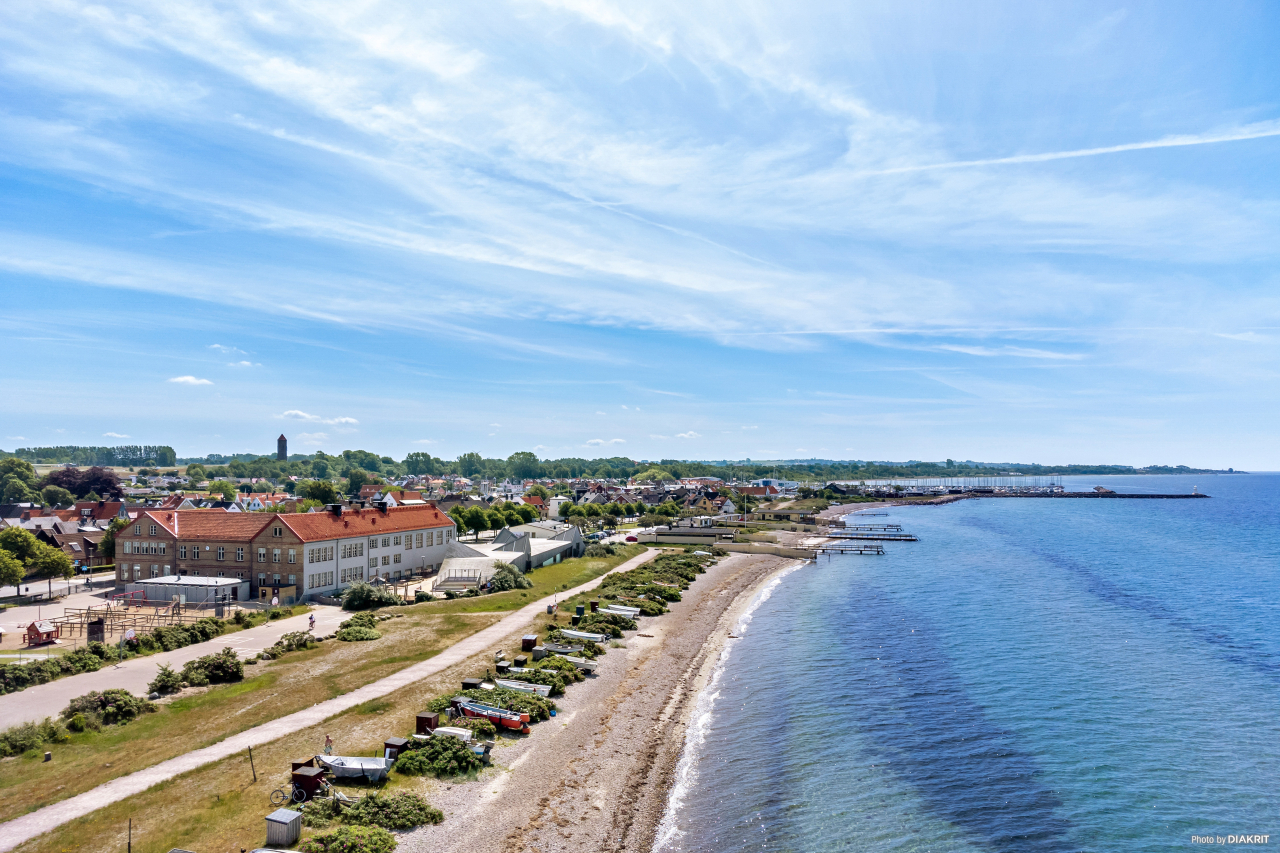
point(328, 744)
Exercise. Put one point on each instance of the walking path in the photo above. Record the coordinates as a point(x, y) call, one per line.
point(22, 829)
point(47, 700)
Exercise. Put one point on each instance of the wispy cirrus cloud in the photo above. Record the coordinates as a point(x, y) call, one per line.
point(114, 435)
point(189, 380)
point(298, 415)
point(600, 442)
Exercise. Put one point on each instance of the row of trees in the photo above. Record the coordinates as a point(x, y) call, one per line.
point(496, 517)
point(60, 487)
point(23, 557)
point(123, 456)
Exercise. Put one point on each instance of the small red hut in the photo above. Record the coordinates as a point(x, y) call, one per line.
point(40, 632)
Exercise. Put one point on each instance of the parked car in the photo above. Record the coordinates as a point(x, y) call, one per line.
point(632, 539)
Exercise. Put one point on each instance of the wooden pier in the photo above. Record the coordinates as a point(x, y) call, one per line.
point(873, 528)
point(877, 550)
point(882, 537)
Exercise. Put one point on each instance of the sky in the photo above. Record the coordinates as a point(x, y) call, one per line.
point(881, 230)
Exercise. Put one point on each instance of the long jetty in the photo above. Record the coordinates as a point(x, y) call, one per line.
point(1113, 495)
point(882, 536)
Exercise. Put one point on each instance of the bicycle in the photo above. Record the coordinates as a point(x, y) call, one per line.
point(280, 796)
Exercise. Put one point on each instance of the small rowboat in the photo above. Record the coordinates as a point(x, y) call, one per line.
point(621, 610)
point(583, 635)
point(581, 663)
point(460, 733)
point(497, 716)
point(543, 690)
point(562, 650)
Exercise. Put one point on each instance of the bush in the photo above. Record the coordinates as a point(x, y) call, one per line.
point(352, 839)
point(320, 812)
point(352, 635)
point(166, 681)
point(361, 620)
point(222, 667)
point(511, 700)
point(365, 596)
point(394, 811)
point(422, 595)
point(481, 727)
point(599, 549)
point(539, 676)
point(615, 623)
point(113, 707)
point(19, 739)
point(508, 577)
point(563, 668)
point(443, 756)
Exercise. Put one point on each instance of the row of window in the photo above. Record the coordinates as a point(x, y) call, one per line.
point(387, 559)
point(437, 537)
point(353, 573)
point(144, 547)
point(320, 579)
point(353, 549)
point(320, 555)
point(275, 579)
point(275, 555)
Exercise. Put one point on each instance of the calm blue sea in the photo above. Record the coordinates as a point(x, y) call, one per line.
point(1033, 675)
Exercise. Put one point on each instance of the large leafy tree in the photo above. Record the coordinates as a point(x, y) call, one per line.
point(476, 519)
point(470, 464)
point(523, 465)
point(356, 480)
point(107, 546)
point(11, 570)
point(418, 464)
point(224, 488)
point(56, 496)
point(317, 490)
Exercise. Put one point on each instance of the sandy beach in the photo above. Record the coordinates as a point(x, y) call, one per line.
point(596, 777)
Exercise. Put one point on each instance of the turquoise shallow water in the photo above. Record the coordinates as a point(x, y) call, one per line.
point(1081, 675)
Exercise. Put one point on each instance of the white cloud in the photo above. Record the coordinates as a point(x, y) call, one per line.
point(425, 441)
point(225, 350)
point(114, 435)
point(689, 434)
point(190, 380)
point(243, 364)
point(1015, 352)
point(298, 415)
point(600, 442)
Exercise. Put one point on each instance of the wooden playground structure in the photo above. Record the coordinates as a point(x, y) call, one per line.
point(130, 612)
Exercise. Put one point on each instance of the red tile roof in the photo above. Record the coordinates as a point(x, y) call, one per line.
point(532, 500)
point(212, 524)
point(320, 526)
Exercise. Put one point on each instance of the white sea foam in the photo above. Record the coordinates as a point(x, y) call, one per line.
point(700, 723)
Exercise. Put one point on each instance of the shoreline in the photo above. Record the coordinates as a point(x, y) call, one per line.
point(599, 775)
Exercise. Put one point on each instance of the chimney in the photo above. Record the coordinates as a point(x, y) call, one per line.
point(336, 509)
point(382, 505)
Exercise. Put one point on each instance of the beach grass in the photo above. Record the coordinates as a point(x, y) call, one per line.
point(197, 719)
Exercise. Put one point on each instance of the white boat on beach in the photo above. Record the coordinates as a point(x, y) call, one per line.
point(581, 663)
point(543, 690)
point(621, 610)
point(583, 635)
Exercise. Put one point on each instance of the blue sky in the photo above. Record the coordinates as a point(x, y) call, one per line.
point(691, 230)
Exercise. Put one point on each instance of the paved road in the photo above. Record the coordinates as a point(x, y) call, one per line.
point(19, 830)
point(60, 587)
point(47, 700)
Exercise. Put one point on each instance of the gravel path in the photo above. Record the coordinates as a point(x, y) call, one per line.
point(47, 700)
point(21, 829)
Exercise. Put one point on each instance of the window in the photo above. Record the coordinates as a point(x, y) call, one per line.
point(153, 531)
point(293, 580)
point(373, 542)
point(262, 555)
point(262, 579)
point(395, 541)
point(386, 541)
point(137, 530)
point(448, 536)
point(275, 555)
point(128, 547)
point(137, 572)
point(419, 540)
point(277, 532)
point(222, 574)
point(386, 561)
point(239, 555)
point(155, 571)
point(293, 556)
point(221, 553)
point(195, 552)
point(163, 546)
point(275, 580)
point(182, 552)
point(397, 558)
point(373, 562)
point(408, 541)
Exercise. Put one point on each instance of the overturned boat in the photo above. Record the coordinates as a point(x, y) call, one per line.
point(583, 635)
point(581, 663)
point(562, 650)
point(351, 767)
point(621, 610)
point(543, 690)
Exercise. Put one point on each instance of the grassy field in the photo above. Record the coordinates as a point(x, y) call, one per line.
point(219, 807)
point(292, 683)
point(546, 581)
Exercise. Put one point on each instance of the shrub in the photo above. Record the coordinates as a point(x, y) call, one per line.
point(422, 595)
point(361, 620)
point(394, 811)
point(561, 667)
point(352, 635)
point(540, 676)
point(320, 812)
point(599, 549)
point(512, 700)
point(166, 681)
point(507, 577)
point(19, 739)
point(222, 667)
point(352, 839)
point(590, 648)
point(112, 707)
point(616, 623)
point(365, 596)
point(480, 726)
point(440, 756)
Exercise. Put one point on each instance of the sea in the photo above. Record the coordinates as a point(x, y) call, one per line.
point(1032, 675)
